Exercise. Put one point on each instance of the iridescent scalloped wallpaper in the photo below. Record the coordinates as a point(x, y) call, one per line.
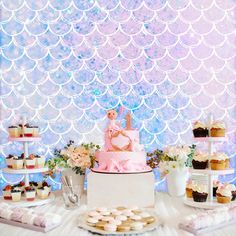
point(65, 62)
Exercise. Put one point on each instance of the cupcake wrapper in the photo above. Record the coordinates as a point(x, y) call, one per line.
point(200, 132)
point(199, 164)
point(214, 191)
point(199, 197)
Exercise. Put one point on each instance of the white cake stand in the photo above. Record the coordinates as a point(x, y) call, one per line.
point(26, 172)
point(211, 202)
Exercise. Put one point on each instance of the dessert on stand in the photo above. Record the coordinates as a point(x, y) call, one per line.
point(26, 193)
point(211, 164)
point(122, 176)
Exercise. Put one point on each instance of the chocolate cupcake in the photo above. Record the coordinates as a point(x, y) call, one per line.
point(199, 193)
point(200, 160)
point(200, 130)
point(216, 184)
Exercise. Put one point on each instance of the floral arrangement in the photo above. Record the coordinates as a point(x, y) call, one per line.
point(171, 158)
point(78, 158)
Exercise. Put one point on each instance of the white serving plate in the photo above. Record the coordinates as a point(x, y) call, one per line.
point(25, 139)
point(26, 226)
point(212, 172)
point(206, 205)
point(206, 230)
point(25, 171)
point(24, 203)
point(83, 225)
point(210, 139)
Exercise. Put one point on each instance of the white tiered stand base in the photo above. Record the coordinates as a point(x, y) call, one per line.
point(23, 202)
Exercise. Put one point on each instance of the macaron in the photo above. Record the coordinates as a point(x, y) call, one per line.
point(101, 209)
point(123, 228)
point(121, 208)
point(127, 213)
point(105, 213)
point(93, 213)
point(136, 226)
point(149, 219)
point(91, 221)
point(144, 214)
point(107, 218)
point(110, 227)
point(135, 217)
point(99, 217)
point(121, 217)
point(115, 222)
point(116, 213)
point(100, 224)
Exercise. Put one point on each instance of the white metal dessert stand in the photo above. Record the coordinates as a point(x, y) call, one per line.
point(26, 172)
point(211, 203)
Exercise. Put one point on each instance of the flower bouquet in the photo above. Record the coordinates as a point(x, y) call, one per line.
point(77, 158)
point(173, 162)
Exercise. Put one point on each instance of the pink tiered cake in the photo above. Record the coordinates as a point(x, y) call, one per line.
point(122, 151)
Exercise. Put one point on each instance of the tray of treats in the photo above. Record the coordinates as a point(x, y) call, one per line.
point(28, 218)
point(119, 220)
point(210, 220)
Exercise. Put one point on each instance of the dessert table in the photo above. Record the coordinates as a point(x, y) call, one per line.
point(170, 209)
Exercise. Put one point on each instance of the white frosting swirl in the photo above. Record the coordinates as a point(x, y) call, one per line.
point(231, 187)
point(224, 191)
point(199, 156)
point(218, 125)
point(198, 124)
point(200, 188)
point(219, 156)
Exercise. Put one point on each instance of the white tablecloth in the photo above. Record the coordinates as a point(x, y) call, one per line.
point(170, 209)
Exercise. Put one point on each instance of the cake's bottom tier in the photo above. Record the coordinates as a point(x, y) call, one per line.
point(121, 162)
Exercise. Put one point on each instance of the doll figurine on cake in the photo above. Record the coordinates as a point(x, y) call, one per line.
point(122, 151)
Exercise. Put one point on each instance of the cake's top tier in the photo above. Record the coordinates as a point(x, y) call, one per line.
point(120, 139)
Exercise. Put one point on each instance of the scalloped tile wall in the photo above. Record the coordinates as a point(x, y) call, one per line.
point(63, 63)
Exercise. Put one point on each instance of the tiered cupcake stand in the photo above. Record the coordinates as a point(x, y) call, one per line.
point(26, 172)
point(211, 202)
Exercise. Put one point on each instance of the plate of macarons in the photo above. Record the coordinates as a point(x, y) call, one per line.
point(119, 220)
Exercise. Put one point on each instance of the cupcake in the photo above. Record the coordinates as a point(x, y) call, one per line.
point(223, 194)
point(16, 194)
point(13, 131)
point(199, 193)
point(35, 131)
point(218, 161)
point(30, 162)
point(199, 130)
point(18, 162)
point(9, 161)
point(7, 192)
point(232, 188)
point(216, 184)
point(30, 193)
point(39, 161)
point(217, 129)
point(200, 160)
point(189, 189)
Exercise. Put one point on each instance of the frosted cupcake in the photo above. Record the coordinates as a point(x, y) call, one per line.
point(200, 160)
point(232, 188)
point(199, 129)
point(217, 129)
point(200, 193)
point(189, 189)
point(223, 194)
point(218, 161)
